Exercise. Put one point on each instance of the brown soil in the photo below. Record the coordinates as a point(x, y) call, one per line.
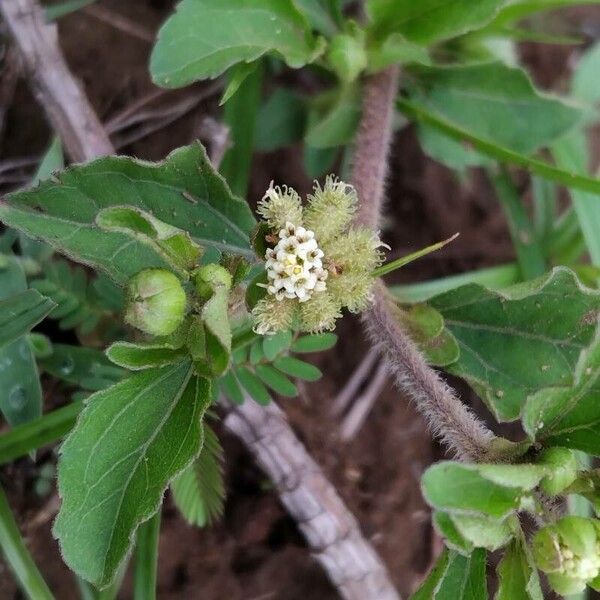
point(256, 551)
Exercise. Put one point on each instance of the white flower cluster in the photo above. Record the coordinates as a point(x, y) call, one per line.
point(584, 567)
point(295, 265)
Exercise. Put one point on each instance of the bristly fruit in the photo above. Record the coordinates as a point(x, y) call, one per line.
point(156, 302)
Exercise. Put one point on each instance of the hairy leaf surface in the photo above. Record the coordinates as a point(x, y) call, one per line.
point(184, 191)
point(127, 445)
point(21, 312)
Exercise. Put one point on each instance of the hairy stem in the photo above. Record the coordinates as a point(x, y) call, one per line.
point(447, 417)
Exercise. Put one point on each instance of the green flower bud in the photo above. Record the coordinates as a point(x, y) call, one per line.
point(347, 56)
point(279, 206)
point(319, 313)
point(563, 465)
point(272, 315)
point(155, 302)
point(569, 551)
point(207, 278)
point(352, 290)
point(357, 251)
point(330, 208)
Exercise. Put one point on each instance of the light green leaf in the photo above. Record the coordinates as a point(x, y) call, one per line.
point(521, 340)
point(396, 50)
point(324, 16)
point(504, 154)
point(456, 577)
point(199, 490)
point(569, 416)
point(484, 490)
point(429, 21)
point(445, 527)
point(297, 368)
point(174, 244)
point(253, 385)
point(206, 37)
point(230, 388)
point(585, 84)
point(318, 342)
point(280, 121)
point(183, 191)
point(517, 576)
point(276, 381)
point(86, 368)
point(238, 75)
point(20, 390)
point(137, 357)
point(127, 445)
point(333, 119)
point(273, 345)
point(21, 312)
point(494, 101)
point(483, 532)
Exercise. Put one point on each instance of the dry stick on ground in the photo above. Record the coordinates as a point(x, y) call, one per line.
point(446, 415)
point(54, 87)
point(330, 530)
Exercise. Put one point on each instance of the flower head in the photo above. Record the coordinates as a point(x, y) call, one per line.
point(316, 263)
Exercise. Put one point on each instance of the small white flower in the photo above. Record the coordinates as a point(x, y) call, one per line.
point(295, 266)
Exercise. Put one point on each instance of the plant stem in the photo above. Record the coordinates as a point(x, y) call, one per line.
point(18, 557)
point(529, 253)
point(447, 417)
point(146, 555)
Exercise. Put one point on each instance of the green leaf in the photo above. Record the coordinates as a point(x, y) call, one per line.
point(237, 76)
point(318, 342)
point(515, 342)
point(324, 16)
point(21, 312)
point(199, 490)
point(445, 527)
point(206, 37)
point(174, 244)
point(569, 416)
point(334, 118)
point(240, 116)
point(484, 490)
point(129, 442)
point(183, 191)
point(318, 161)
point(502, 153)
point(429, 21)
point(280, 121)
point(146, 559)
point(297, 368)
point(276, 381)
point(456, 577)
point(137, 357)
point(517, 576)
point(494, 101)
point(483, 532)
point(24, 439)
point(77, 304)
point(253, 385)
point(396, 50)
point(86, 368)
point(21, 393)
point(256, 352)
point(273, 345)
point(230, 388)
point(585, 85)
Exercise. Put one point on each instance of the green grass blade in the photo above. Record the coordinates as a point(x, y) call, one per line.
point(17, 556)
point(529, 253)
point(48, 429)
point(146, 555)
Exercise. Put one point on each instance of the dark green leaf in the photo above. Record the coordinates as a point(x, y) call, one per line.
point(318, 161)
point(297, 368)
point(324, 16)
point(253, 385)
point(231, 389)
point(20, 390)
point(429, 21)
point(276, 381)
point(315, 343)
point(495, 102)
point(199, 490)
point(137, 357)
point(523, 339)
point(129, 442)
point(21, 312)
point(502, 153)
point(256, 352)
point(517, 576)
point(206, 37)
point(183, 191)
point(280, 121)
